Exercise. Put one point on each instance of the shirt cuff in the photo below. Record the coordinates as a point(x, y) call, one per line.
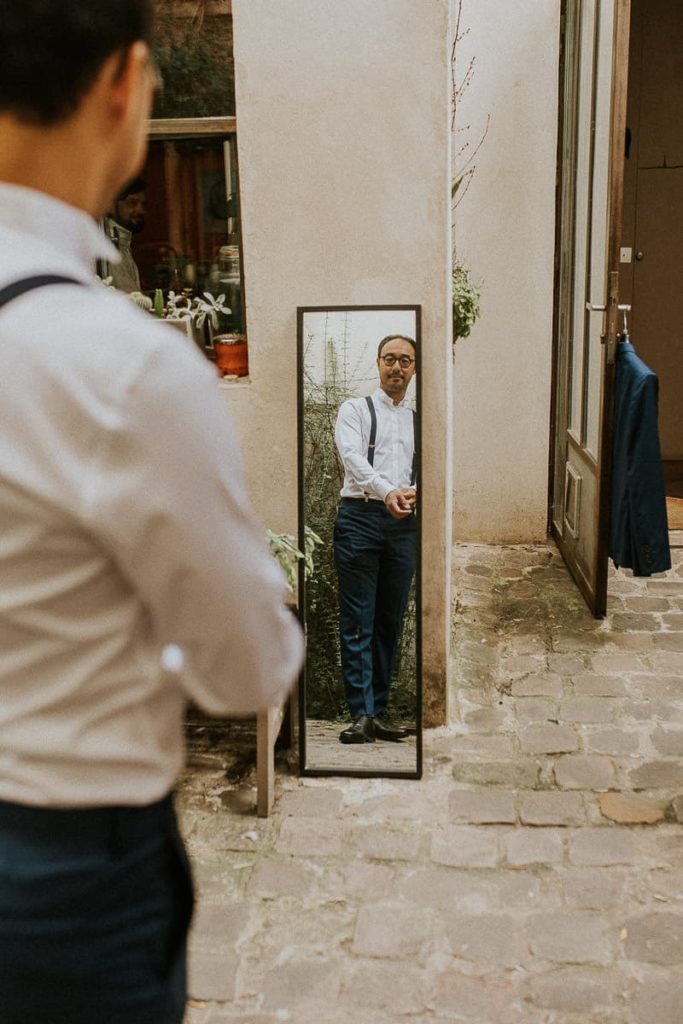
point(382, 488)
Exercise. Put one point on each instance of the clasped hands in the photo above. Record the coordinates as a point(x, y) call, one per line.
point(401, 503)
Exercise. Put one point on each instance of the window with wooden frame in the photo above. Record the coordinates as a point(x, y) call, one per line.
point(191, 247)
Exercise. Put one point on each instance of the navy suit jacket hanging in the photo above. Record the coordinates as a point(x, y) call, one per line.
point(639, 534)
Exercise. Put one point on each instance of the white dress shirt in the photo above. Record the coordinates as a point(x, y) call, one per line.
point(394, 446)
point(124, 528)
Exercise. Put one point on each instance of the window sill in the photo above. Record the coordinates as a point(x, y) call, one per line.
point(226, 384)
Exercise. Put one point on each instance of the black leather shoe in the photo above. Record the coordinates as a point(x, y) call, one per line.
point(384, 730)
point(362, 731)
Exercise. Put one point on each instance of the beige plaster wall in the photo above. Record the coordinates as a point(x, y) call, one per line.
point(342, 120)
point(505, 232)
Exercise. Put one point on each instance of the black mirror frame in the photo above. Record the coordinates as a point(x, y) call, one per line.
point(304, 769)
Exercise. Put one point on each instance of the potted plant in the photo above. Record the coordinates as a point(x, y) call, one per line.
point(466, 298)
point(231, 354)
point(205, 309)
point(177, 312)
point(196, 315)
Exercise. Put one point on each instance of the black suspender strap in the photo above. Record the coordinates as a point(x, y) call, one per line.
point(373, 430)
point(27, 284)
point(413, 471)
point(373, 439)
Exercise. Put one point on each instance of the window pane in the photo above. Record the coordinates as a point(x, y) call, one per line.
point(191, 238)
point(583, 210)
point(565, 334)
point(599, 225)
point(194, 55)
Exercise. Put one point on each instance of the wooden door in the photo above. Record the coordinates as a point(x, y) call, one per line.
point(592, 126)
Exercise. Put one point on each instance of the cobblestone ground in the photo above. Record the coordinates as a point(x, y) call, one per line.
point(534, 875)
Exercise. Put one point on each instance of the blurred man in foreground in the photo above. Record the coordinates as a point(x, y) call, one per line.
point(132, 574)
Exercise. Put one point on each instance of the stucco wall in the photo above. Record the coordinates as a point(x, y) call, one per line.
point(342, 121)
point(505, 233)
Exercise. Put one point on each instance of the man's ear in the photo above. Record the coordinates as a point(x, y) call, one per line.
point(124, 75)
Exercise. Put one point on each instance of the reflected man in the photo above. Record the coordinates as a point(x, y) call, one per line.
point(375, 538)
point(126, 219)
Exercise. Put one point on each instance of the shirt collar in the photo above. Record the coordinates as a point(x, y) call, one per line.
point(381, 396)
point(65, 228)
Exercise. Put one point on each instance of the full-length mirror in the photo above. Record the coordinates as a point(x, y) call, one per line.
point(359, 526)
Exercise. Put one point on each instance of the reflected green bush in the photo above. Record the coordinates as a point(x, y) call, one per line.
point(195, 59)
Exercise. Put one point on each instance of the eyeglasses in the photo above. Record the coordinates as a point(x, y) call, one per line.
point(403, 361)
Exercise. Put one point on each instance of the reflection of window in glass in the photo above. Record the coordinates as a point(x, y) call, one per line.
point(194, 54)
point(191, 239)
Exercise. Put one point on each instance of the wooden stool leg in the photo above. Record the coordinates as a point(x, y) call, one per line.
point(268, 726)
point(266, 734)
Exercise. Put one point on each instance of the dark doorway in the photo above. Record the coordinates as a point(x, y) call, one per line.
point(651, 268)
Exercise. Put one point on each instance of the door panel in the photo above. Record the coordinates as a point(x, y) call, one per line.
point(595, 50)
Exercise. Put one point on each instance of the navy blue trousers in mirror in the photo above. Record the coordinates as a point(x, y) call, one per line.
point(375, 556)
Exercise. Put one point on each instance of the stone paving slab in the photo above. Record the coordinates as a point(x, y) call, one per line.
point(533, 876)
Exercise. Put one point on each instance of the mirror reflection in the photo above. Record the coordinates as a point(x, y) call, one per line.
point(359, 445)
point(177, 230)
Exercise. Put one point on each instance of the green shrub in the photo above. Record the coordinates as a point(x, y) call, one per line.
point(466, 298)
point(194, 57)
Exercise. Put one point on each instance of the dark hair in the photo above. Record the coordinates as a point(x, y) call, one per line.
point(393, 337)
point(52, 51)
point(134, 186)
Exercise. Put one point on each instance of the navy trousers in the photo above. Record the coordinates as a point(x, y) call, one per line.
point(95, 905)
point(375, 556)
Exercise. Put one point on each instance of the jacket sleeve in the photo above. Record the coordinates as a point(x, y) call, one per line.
point(168, 499)
point(647, 500)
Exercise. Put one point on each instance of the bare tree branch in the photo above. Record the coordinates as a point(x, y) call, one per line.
point(463, 174)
